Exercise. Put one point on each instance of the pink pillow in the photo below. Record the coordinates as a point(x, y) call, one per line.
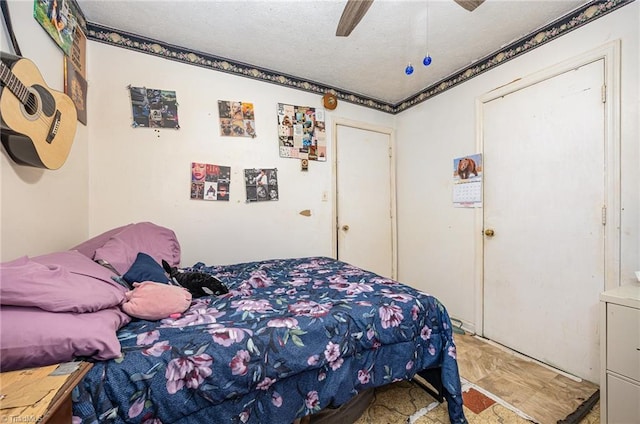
point(31, 337)
point(59, 282)
point(122, 249)
point(154, 301)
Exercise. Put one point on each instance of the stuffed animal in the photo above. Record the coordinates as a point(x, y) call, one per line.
point(197, 283)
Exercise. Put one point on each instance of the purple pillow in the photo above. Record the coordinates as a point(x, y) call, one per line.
point(122, 249)
point(59, 282)
point(89, 247)
point(31, 337)
point(16, 262)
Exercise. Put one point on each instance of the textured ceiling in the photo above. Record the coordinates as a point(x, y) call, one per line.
point(298, 38)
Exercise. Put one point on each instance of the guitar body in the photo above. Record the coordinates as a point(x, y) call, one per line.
point(38, 123)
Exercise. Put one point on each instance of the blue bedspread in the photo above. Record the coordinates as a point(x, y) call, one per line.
point(292, 337)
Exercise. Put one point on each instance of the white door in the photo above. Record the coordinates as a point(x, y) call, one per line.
point(364, 192)
point(544, 193)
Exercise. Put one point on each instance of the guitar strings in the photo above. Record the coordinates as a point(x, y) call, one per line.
point(32, 108)
point(31, 102)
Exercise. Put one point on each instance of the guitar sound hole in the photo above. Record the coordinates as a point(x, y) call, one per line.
point(31, 107)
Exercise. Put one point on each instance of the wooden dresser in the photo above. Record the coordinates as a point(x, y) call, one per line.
point(620, 355)
point(35, 396)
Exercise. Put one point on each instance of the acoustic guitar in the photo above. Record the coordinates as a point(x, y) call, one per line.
point(38, 123)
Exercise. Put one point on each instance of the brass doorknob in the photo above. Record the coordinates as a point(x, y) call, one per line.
point(489, 232)
point(345, 228)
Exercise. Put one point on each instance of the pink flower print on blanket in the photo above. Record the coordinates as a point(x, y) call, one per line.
point(187, 371)
point(227, 336)
point(390, 315)
point(240, 363)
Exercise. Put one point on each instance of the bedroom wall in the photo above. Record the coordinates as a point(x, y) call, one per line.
point(139, 174)
point(430, 228)
point(41, 210)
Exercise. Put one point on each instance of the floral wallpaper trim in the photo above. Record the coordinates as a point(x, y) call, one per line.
point(585, 14)
point(141, 44)
point(576, 19)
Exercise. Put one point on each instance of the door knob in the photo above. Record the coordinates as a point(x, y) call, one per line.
point(489, 232)
point(345, 228)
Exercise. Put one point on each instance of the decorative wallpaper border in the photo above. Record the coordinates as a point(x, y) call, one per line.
point(586, 14)
point(580, 17)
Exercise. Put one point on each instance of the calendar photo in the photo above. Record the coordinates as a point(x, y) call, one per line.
point(467, 181)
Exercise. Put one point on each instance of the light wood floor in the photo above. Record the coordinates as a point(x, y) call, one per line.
point(537, 390)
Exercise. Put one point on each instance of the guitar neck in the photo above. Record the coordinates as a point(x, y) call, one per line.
point(11, 81)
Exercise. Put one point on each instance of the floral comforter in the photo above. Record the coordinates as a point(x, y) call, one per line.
point(290, 338)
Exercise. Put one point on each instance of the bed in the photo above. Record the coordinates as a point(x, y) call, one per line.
point(291, 339)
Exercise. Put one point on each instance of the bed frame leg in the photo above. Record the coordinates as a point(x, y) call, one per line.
point(433, 377)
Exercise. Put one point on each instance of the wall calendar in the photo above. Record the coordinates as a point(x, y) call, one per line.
point(467, 181)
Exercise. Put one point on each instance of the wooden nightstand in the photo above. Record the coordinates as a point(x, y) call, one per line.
point(34, 396)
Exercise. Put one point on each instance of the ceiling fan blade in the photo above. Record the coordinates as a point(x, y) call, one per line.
point(470, 5)
point(352, 14)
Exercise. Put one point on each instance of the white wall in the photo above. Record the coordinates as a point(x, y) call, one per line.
point(41, 210)
point(435, 240)
point(138, 174)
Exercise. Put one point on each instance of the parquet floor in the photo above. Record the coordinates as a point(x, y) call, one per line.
point(535, 389)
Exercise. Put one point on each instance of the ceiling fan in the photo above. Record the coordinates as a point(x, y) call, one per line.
point(355, 10)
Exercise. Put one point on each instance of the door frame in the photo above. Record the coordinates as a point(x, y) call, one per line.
point(334, 195)
point(610, 53)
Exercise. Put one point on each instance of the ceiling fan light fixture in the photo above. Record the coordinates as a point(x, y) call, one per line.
point(469, 5)
point(352, 14)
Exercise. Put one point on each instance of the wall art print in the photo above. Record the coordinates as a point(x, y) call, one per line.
point(237, 119)
point(60, 18)
point(78, 52)
point(154, 108)
point(301, 132)
point(210, 182)
point(75, 86)
point(261, 184)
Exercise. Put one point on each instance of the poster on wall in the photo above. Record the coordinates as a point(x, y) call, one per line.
point(154, 108)
point(210, 182)
point(261, 184)
point(75, 86)
point(78, 52)
point(60, 19)
point(236, 119)
point(467, 181)
point(301, 132)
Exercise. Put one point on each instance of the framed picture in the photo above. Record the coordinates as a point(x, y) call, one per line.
point(75, 86)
